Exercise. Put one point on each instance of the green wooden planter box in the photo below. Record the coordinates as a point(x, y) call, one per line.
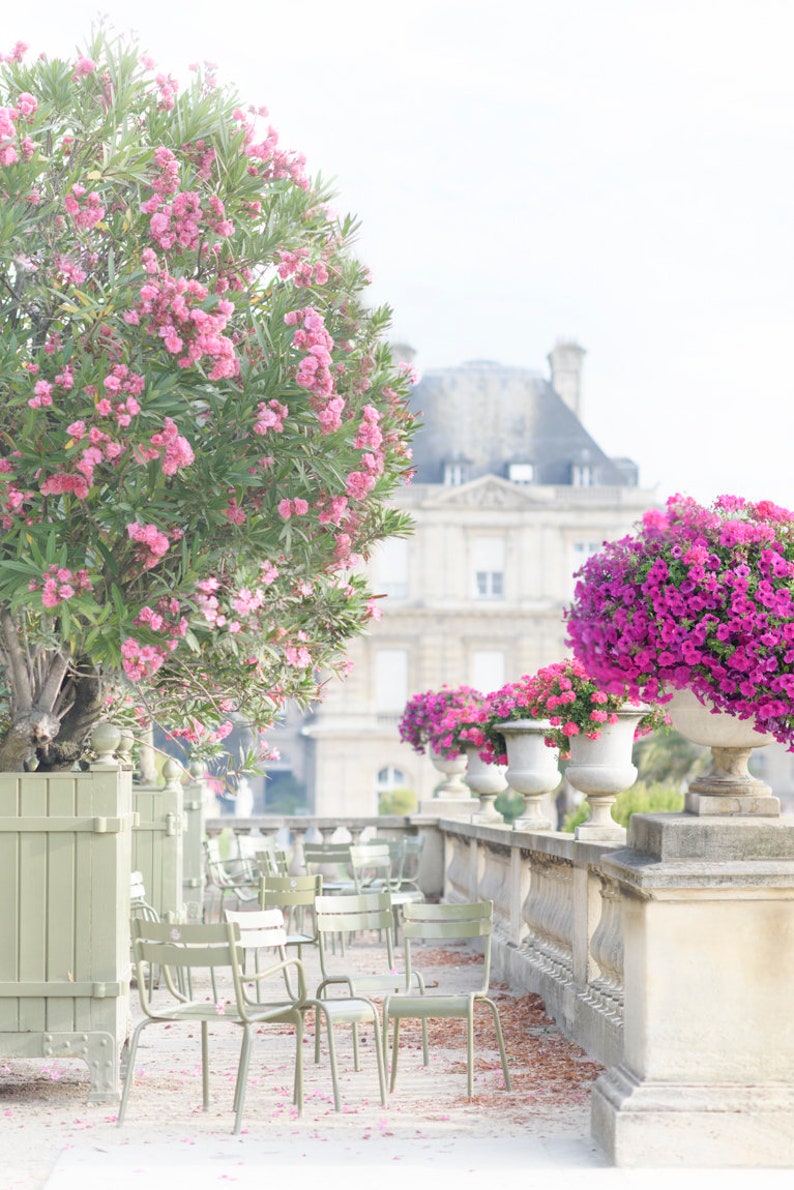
point(157, 843)
point(65, 852)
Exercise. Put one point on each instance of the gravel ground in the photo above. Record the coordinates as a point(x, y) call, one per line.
point(45, 1114)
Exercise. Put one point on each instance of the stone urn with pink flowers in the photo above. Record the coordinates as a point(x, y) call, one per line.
point(696, 610)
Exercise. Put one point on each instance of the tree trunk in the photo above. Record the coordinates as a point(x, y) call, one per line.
point(20, 745)
point(47, 741)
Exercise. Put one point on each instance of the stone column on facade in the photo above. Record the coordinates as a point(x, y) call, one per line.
point(707, 1072)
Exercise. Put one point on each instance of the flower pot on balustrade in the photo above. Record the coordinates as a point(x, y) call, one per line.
point(486, 781)
point(65, 851)
point(452, 768)
point(728, 788)
point(532, 769)
point(157, 842)
point(452, 798)
point(602, 768)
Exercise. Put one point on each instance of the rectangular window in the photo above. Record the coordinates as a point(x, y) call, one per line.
point(580, 552)
point(488, 556)
point(487, 670)
point(391, 680)
point(391, 568)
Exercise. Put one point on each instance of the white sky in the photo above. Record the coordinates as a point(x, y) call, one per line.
point(616, 171)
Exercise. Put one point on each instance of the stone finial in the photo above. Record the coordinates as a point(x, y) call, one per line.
point(105, 739)
point(124, 750)
point(172, 771)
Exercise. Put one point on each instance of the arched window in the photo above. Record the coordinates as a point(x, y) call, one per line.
point(389, 779)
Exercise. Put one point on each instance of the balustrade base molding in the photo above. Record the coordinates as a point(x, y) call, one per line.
point(451, 807)
point(706, 1078)
point(653, 1125)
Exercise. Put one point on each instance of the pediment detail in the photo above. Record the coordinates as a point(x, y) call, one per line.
point(487, 492)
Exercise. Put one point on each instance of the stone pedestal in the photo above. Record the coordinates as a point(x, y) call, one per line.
point(707, 1073)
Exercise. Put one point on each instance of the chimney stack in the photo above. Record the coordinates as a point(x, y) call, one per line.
point(565, 361)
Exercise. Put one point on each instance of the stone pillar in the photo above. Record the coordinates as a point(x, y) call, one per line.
point(707, 1072)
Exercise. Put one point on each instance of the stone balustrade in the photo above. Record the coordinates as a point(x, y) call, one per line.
point(667, 957)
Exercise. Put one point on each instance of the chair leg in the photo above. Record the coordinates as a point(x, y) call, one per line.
point(381, 1064)
point(394, 1052)
point(130, 1071)
point(501, 1043)
point(297, 1097)
point(242, 1078)
point(205, 1066)
point(332, 1061)
point(470, 1048)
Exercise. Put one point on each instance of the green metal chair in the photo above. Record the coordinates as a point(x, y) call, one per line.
point(332, 862)
point(352, 916)
point(181, 952)
point(234, 877)
point(445, 923)
point(295, 896)
point(369, 861)
point(265, 929)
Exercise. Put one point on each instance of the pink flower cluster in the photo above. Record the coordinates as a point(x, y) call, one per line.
point(425, 721)
point(566, 696)
point(8, 153)
point(275, 162)
point(314, 370)
point(86, 214)
point(302, 271)
point(141, 661)
point(177, 451)
point(172, 310)
point(465, 723)
point(270, 416)
point(58, 584)
point(184, 222)
point(700, 598)
point(154, 544)
point(12, 498)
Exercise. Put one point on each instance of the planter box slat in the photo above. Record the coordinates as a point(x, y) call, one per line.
point(157, 843)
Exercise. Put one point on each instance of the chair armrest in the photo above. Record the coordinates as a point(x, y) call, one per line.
point(258, 976)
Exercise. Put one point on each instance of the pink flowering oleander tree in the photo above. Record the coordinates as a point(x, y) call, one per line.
point(699, 598)
point(200, 420)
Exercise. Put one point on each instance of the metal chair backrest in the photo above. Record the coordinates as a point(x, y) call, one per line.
point(371, 864)
point(259, 929)
point(350, 914)
point(329, 860)
point(423, 922)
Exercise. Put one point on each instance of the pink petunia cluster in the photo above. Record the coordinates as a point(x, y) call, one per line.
point(700, 597)
point(425, 721)
point(565, 695)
